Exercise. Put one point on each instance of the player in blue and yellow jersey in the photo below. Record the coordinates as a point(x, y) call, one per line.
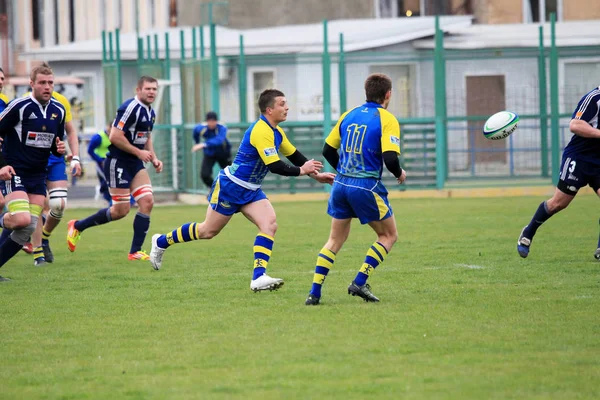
point(367, 137)
point(580, 167)
point(98, 150)
point(3, 97)
point(131, 147)
point(238, 189)
point(32, 128)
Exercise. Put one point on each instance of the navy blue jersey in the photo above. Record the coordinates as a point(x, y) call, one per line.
point(587, 110)
point(136, 120)
point(29, 131)
point(216, 141)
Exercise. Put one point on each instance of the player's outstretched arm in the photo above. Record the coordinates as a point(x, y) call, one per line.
point(582, 128)
point(392, 163)
point(298, 159)
point(117, 137)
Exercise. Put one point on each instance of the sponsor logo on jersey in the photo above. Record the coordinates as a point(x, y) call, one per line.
point(395, 140)
point(141, 137)
point(40, 140)
point(270, 151)
point(53, 116)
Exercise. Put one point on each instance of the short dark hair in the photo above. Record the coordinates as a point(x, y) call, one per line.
point(43, 69)
point(1, 70)
point(376, 87)
point(145, 79)
point(212, 116)
point(267, 99)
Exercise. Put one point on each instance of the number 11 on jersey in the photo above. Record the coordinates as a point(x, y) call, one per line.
point(356, 135)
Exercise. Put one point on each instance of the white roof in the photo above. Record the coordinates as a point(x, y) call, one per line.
point(570, 33)
point(359, 34)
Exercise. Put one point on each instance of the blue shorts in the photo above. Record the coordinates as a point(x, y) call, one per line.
point(362, 198)
point(28, 183)
point(227, 197)
point(57, 169)
point(576, 172)
point(119, 172)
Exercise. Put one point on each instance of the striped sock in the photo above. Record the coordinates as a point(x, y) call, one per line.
point(325, 261)
point(263, 246)
point(38, 253)
point(375, 256)
point(185, 233)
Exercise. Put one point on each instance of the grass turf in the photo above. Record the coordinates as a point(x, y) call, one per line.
point(462, 316)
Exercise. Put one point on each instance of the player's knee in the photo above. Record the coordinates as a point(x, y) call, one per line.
point(21, 234)
point(57, 202)
point(20, 220)
point(146, 204)
point(118, 211)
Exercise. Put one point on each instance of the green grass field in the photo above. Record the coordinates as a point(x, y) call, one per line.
point(461, 316)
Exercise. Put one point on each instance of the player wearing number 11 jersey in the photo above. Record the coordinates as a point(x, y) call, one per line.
point(366, 137)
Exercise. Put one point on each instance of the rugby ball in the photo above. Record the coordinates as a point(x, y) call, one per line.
point(500, 125)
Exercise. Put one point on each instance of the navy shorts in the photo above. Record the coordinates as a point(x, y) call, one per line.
point(28, 183)
point(577, 172)
point(119, 172)
point(227, 197)
point(57, 169)
point(362, 198)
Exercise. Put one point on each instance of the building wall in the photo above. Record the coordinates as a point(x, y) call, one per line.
point(283, 12)
point(581, 9)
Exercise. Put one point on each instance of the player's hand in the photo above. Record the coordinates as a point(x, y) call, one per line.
point(324, 177)
point(198, 146)
point(158, 165)
point(75, 166)
point(60, 146)
point(145, 156)
point(402, 177)
point(6, 173)
point(311, 167)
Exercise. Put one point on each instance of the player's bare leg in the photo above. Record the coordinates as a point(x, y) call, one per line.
point(213, 224)
point(22, 216)
point(262, 214)
point(57, 203)
point(340, 229)
point(387, 234)
point(141, 191)
point(546, 209)
point(36, 241)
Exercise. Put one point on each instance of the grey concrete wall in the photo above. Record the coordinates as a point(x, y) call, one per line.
point(260, 13)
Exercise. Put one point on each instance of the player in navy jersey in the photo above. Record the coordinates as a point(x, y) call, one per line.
point(580, 167)
point(31, 128)
point(215, 145)
point(131, 147)
point(366, 137)
point(238, 189)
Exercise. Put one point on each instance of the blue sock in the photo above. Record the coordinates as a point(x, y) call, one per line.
point(101, 217)
point(541, 215)
point(263, 246)
point(185, 233)
point(375, 256)
point(8, 250)
point(5, 234)
point(141, 223)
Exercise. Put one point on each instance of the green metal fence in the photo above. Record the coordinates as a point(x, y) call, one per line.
point(439, 109)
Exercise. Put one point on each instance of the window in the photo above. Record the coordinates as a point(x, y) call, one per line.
point(259, 80)
point(404, 99)
point(399, 8)
point(35, 19)
point(71, 20)
point(540, 10)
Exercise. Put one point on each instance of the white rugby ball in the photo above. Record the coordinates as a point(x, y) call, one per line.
point(500, 125)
